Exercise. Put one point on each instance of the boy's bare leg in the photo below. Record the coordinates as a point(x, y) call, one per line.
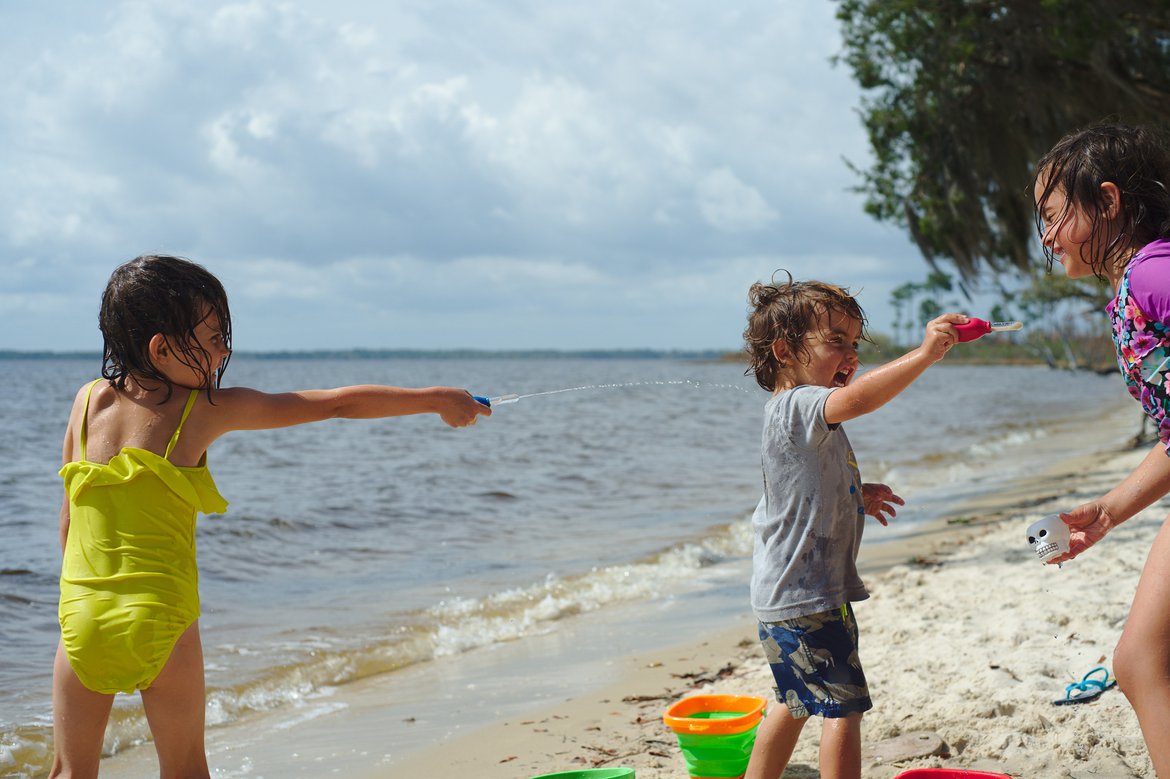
point(79, 723)
point(175, 709)
point(841, 747)
point(775, 740)
point(1141, 661)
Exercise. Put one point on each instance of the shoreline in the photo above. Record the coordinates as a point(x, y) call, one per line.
point(935, 659)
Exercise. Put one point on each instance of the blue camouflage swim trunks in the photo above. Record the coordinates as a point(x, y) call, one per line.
point(815, 663)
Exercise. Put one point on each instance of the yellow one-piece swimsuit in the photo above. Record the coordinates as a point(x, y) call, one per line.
point(129, 583)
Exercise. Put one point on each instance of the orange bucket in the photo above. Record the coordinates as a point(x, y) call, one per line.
point(715, 714)
point(716, 733)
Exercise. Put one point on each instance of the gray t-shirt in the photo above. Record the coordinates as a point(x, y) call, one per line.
point(808, 524)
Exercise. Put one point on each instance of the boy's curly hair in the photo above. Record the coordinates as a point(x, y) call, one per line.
point(788, 312)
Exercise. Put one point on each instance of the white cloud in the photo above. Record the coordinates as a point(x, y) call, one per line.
point(268, 279)
point(540, 158)
point(730, 205)
point(223, 151)
point(262, 126)
point(244, 25)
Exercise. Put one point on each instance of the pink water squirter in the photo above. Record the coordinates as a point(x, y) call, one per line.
point(974, 328)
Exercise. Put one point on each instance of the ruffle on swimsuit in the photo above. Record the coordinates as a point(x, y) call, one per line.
point(192, 485)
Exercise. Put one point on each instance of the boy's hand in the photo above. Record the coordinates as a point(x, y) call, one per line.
point(459, 409)
point(878, 499)
point(941, 335)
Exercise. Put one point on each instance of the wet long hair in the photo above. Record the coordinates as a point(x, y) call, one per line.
point(155, 294)
point(1137, 160)
point(788, 312)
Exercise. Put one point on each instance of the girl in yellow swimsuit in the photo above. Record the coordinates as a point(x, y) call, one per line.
point(135, 471)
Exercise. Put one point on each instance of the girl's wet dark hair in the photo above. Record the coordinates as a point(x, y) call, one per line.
point(159, 294)
point(1137, 160)
point(788, 312)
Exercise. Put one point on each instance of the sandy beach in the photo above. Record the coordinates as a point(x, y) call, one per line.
point(968, 637)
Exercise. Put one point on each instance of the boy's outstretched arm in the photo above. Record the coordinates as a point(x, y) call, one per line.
point(877, 387)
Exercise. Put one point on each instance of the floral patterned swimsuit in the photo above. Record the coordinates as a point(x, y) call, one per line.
point(1140, 316)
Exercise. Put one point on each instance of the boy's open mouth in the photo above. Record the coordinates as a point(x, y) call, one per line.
point(841, 378)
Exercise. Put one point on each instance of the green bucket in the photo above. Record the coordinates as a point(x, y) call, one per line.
point(592, 773)
point(717, 755)
point(716, 733)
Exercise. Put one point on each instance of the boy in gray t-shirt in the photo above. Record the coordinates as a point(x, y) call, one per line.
point(802, 338)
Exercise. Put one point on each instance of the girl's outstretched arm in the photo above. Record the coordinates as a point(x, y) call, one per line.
point(1089, 522)
point(240, 408)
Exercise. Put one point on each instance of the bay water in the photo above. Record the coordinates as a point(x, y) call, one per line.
point(359, 550)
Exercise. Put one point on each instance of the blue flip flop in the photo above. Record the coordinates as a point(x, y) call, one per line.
point(1089, 688)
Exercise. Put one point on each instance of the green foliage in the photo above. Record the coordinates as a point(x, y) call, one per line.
point(925, 293)
point(1066, 320)
point(964, 95)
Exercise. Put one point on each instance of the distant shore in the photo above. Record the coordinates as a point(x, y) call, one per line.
point(981, 354)
point(390, 354)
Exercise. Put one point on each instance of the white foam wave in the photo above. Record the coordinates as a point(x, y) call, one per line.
point(468, 623)
point(1011, 440)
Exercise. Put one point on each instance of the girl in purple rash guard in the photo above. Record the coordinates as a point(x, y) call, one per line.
point(1103, 208)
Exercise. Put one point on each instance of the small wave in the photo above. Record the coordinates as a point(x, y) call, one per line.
point(498, 495)
point(1011, 440)
point(26, 751)
point(956, 466)
point(18, 600)
point(462, 624)
point(468, 623)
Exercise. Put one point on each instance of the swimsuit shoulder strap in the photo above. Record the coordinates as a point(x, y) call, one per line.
point(85, 416)
point(186, 410)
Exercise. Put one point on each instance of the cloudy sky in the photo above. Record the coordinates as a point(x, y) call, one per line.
point(434, 173)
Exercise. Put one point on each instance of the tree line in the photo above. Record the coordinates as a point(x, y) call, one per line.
point(959, 101)
point(1065, 320)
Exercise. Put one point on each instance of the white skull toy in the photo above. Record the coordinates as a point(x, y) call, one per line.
point(1049, 537)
